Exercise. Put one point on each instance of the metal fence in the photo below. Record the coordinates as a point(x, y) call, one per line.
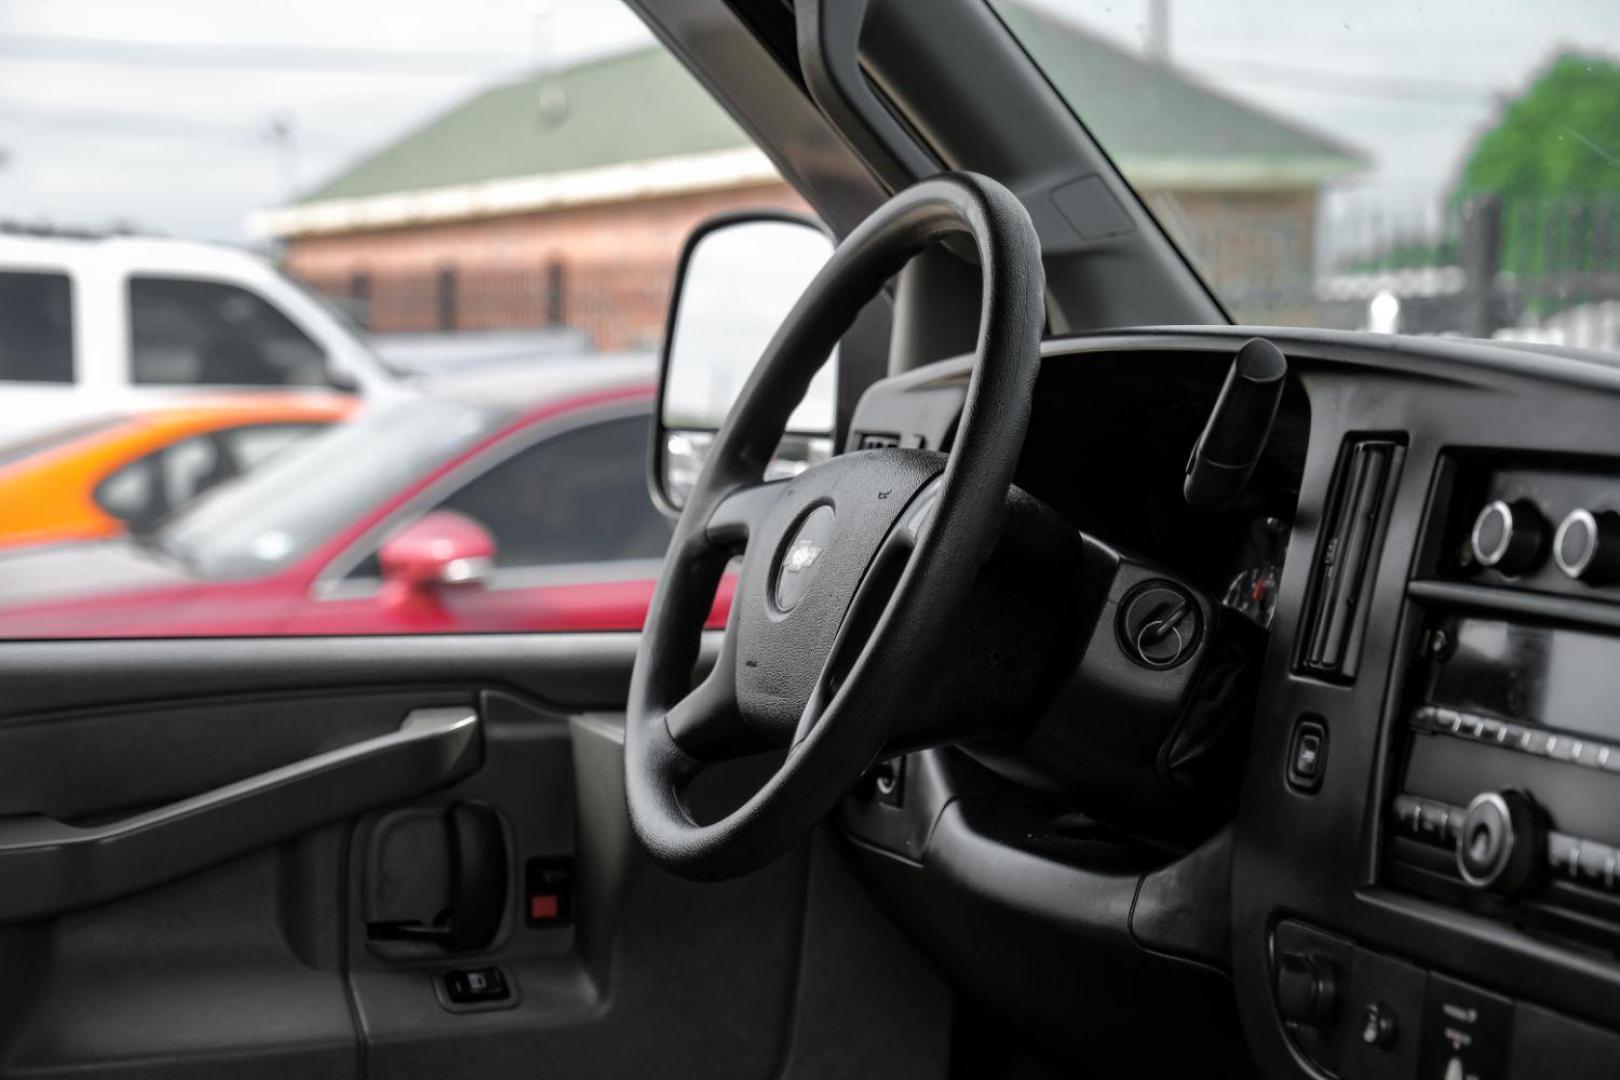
point(1531, 269)
point(1512, 268)
point(615, 305)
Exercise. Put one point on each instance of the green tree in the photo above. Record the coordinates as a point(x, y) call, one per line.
point(1554, 160)
point(1562, 137)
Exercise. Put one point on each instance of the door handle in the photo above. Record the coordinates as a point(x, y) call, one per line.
point(48, 866)
point(478, 884)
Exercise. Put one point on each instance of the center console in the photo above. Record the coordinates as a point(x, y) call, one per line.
point(1507, 768)
point(1499, 781)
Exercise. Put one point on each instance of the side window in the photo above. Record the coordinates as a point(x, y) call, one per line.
point(144, 491)
point(36, 327)
point(577, 497)
point(447, 278)
point(254, 444)
point(206, 333)
point(148, 488)
point(132, 494)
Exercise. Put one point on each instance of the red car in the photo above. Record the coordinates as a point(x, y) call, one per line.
point(487, 503)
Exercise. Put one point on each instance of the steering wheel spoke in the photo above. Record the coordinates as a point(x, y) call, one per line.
point(707, 724)
point(867, 608)
point(740, 512)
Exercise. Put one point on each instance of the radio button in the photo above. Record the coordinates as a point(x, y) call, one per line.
point(1532, 741)
point(1595, 866)
point(1509, 537)
point(1499, 848)
point(1563, 855)
point(1435, 823)
point(1408, 814)
point(1591, 755)
point(1587, 546)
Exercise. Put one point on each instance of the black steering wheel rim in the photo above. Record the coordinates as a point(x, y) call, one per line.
point(941, 523)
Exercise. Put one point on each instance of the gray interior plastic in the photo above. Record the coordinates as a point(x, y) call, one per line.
point(48, 866)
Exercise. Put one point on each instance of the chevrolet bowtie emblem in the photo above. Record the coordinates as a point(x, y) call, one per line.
point(795, 571)
point(801, 556)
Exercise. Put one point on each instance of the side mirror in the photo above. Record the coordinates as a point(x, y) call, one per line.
point(738, 278)
point(437, 550)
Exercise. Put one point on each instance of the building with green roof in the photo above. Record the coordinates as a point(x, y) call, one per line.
point(608, 163)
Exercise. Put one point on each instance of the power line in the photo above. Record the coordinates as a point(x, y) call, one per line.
point(250, 57)
point(99, 123)
point(1350, 83)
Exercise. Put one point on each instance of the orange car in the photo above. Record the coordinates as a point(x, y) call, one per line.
point(123, 473)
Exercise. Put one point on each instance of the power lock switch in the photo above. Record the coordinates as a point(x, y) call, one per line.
point(1307, 754)
point(465, 990)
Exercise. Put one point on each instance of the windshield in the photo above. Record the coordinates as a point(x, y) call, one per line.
point(307, 495)
point(1442, 168)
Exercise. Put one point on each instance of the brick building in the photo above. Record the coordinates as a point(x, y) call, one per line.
point(562, 199)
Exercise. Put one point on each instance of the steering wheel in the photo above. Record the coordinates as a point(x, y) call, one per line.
point(852, 571)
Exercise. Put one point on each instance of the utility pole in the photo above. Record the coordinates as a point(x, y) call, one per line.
point(282, 134)
point(551, 104)
point(1157, 44)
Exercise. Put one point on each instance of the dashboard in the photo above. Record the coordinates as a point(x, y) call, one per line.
point(1411, 867)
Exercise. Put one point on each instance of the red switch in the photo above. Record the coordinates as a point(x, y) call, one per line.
point(549, 885)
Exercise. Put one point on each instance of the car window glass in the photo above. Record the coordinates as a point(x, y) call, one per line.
point(147, 489)
point(1402, 168)
point(321, 485)
point(579, 496)
point(194, 465)
point(205, 333)
point(252, 446)
point(131, 493)
point(459, 223)
point(36, 328)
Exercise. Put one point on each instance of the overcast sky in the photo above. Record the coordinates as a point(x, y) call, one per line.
point(159, 112)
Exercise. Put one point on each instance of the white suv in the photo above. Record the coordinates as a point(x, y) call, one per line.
point(88, 325)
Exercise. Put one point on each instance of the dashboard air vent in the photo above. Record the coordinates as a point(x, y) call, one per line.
point(1342, 578)
point(877, 440)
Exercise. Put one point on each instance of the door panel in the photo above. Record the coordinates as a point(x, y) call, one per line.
point(235, 972)
point(266, 965)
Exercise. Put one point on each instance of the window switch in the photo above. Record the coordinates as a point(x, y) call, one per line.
point(1307, 755)
point(476, 987)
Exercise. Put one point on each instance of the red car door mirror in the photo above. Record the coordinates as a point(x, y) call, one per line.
point(437, 550)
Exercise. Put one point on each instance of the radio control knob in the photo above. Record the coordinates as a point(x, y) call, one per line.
point(1509, 536)
point(1500, 844)
point(1587, 546)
